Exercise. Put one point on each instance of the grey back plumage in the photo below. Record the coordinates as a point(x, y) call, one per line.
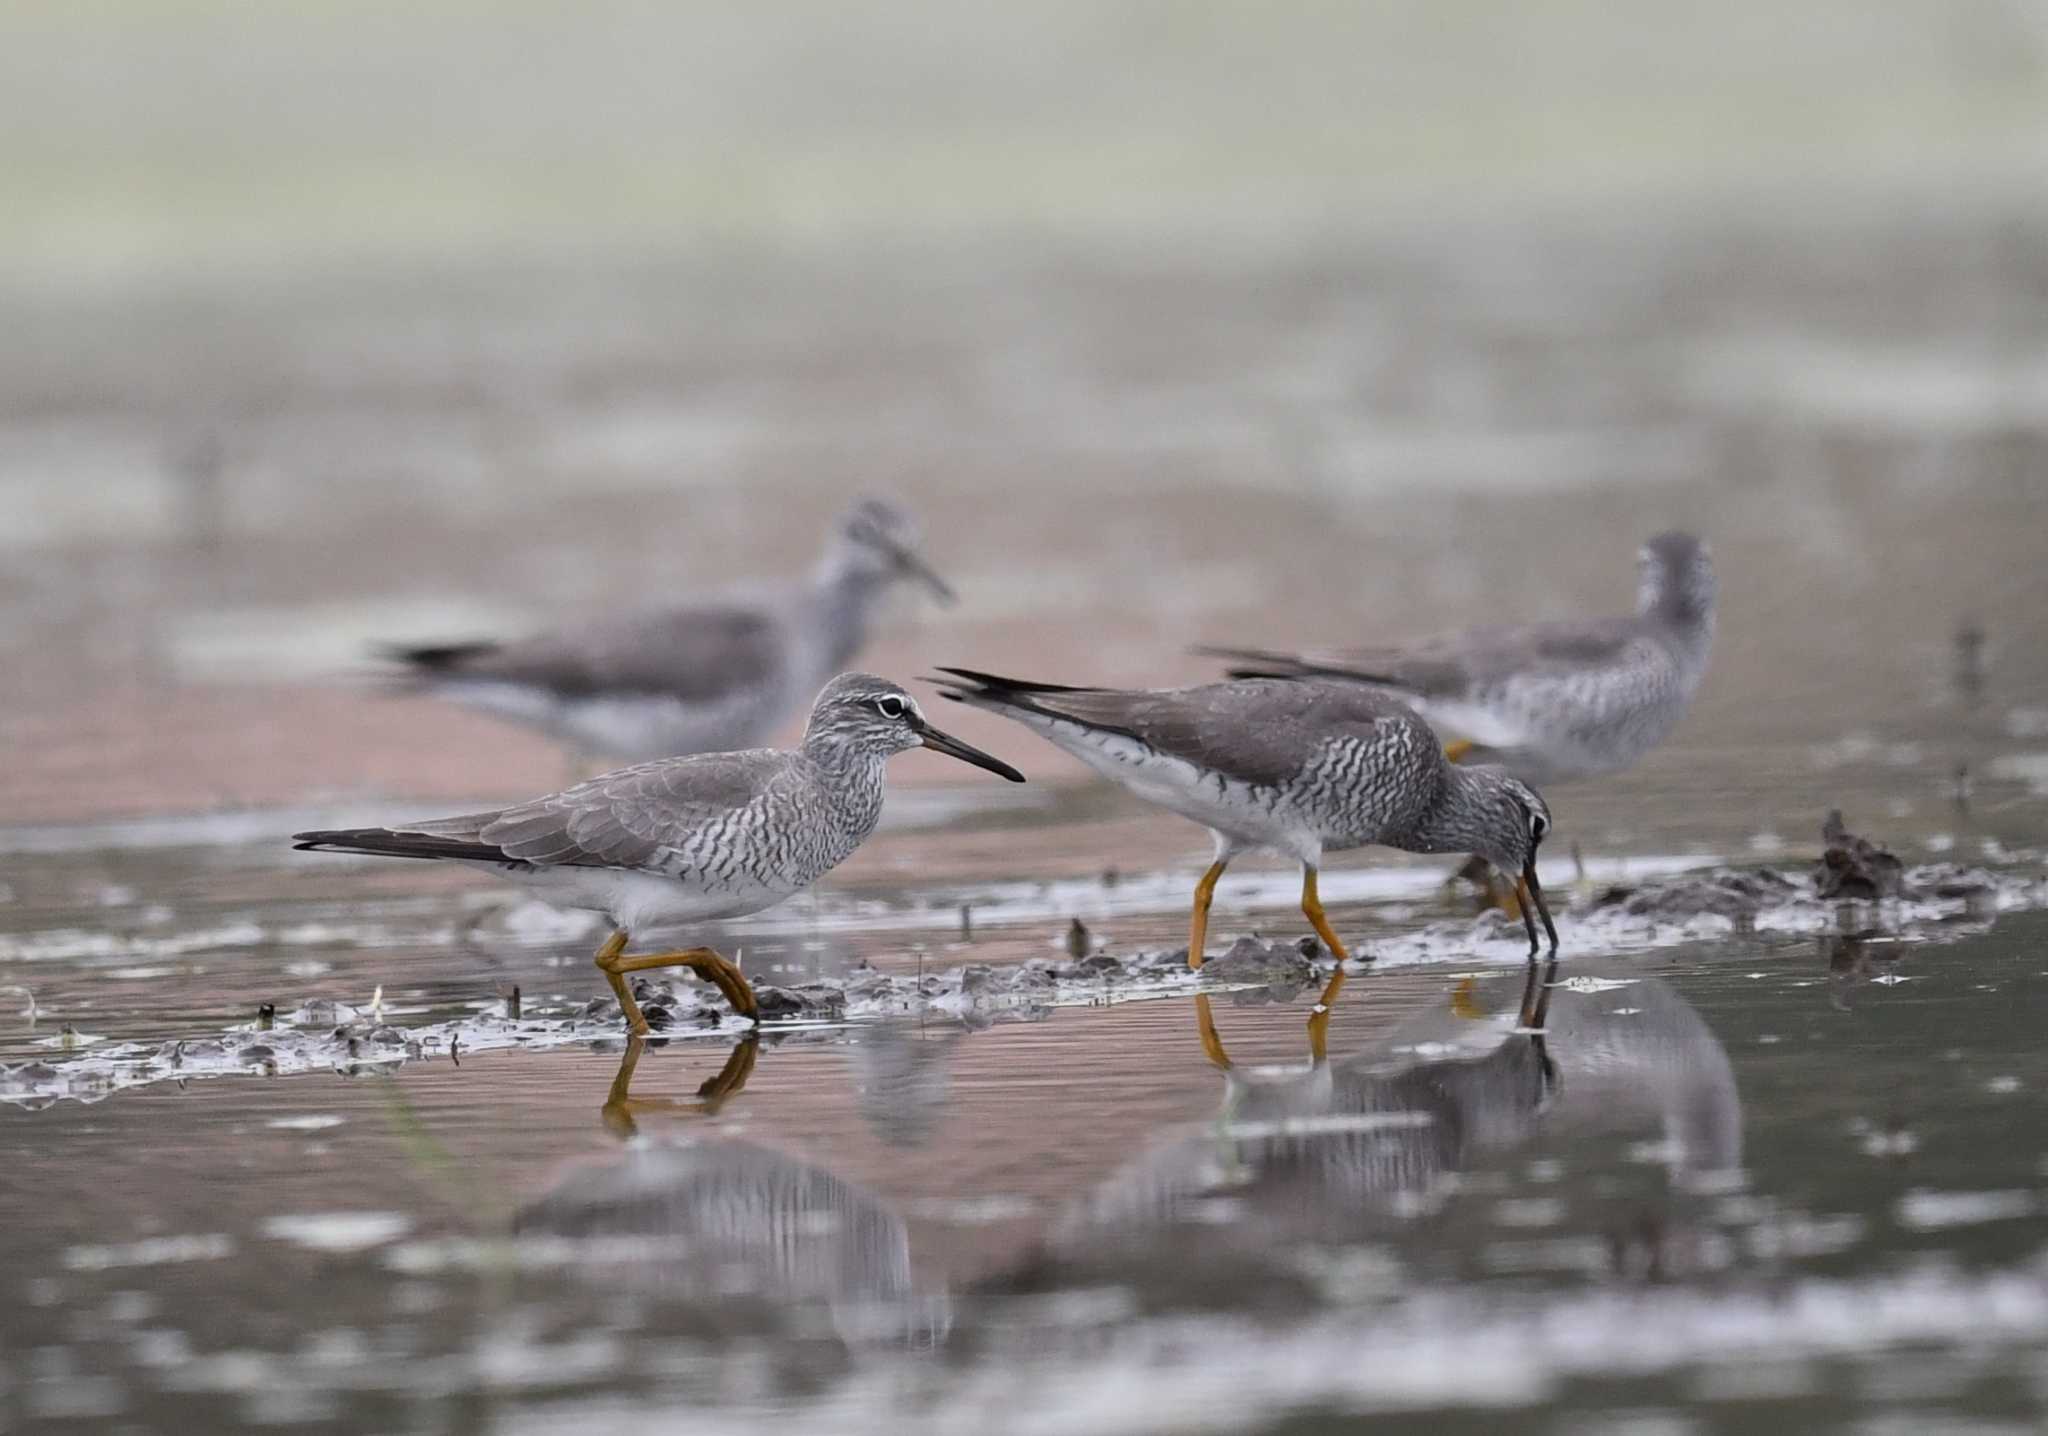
point(707, 674)
point(1272, 762)
point(645, 816)
point(1552, 699)
point(695, 650)
point(1260, 731)
point(760, 819)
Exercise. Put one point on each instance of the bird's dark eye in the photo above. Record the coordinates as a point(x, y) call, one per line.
point(889, 707)
point(1537, 827)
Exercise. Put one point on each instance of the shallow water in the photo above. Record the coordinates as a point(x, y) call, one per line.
point(1787, 1171)
point(1791, 1171)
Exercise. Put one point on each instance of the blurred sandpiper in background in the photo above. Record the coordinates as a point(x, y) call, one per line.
point(327, 326)
point(327, 329)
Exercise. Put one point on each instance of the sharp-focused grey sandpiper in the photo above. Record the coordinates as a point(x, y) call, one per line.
point(705, 676)
point(1295, 768)
point(1549, 701)
point(693, 838)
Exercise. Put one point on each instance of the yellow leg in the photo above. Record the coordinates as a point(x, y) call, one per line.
point(621, 1106)
point(1492, 894)
point(1198, 925)
point(1198, 935)
point(701, 960)
point(1458, 749)
point(1312, 906)
point(1319, 1020)
point(606, 956)
point(1508, 899)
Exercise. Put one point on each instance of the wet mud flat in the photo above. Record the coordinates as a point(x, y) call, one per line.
point(1773, 1156)
point(1775, 1163)
point(1857, 893)
point(1702, 1188)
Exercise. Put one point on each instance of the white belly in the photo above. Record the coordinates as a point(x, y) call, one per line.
point(635, 727)
point(1488, 727)
point(638, 900)
point(1226, 808)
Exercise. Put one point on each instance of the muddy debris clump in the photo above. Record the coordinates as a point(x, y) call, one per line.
point(1731, 893)
point(1271, 964)
point(1850, 869)
point(1854, 867)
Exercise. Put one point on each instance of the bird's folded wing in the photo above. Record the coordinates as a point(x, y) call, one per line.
point(1456, 664)
point(1255, 731)
point(689, 653)
point(629, 818)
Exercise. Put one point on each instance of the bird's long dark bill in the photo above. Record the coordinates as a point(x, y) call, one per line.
point(946, 743)
point(920, 570)
point(1542, 908)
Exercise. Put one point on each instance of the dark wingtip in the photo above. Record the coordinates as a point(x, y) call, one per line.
point(975, 676)
point(434, 657)
point(328, 840)
point(995, 682)
point(1255, 662)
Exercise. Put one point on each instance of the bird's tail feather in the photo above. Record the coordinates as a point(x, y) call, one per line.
point(391, 843)
point(435, 657)
point(993, 684)
point(1271, 663)
point(999, 694)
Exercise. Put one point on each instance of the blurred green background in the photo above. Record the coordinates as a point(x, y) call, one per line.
point(189, 133)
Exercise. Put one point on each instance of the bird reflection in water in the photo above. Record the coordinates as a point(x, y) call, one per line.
point(902, 1079)
point(745, 1238)
point(1350, 1149)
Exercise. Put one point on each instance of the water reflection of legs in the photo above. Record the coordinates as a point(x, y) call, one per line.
point(621, 1107)
point(1212, 1041)
point(1535, 1015)
point(1319, 1017)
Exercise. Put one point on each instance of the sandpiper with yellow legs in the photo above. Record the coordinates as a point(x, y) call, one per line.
point(691, 839)
point(697, 675)
point(1295, 768)
point(1573, 698)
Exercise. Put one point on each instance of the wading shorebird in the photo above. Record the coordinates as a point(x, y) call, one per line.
point(1549, 701)
point(699, 677)
point(691, 839)
point(1294, 768)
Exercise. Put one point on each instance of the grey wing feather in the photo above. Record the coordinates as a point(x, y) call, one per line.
point(1258, 730)
point(693, 652)
point(626, 818)
point(1456, 664)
